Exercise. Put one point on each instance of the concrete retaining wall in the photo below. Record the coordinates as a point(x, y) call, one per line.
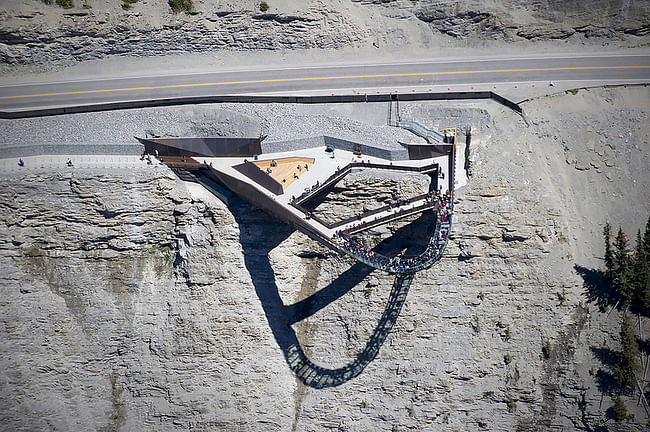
point(258, 99)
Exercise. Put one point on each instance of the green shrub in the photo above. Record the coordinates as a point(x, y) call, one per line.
point(512, 405)
point(508, 334)
point(264, 6)
point(547, 349)
point(159, 250)
point(87, 6)
point(628, 363)
point(65, 4)
point(618, 411)
point(181, 6)
point(481, 295)
point(507, 359)
point(126, 4)
point(573, 91)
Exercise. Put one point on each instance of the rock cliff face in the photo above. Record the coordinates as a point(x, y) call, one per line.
point(130, 300)
point(36, 34)
point(364, 191)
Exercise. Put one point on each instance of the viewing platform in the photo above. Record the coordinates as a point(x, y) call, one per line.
point(282, 183)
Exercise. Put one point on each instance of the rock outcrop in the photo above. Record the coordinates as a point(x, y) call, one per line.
point(33, 33)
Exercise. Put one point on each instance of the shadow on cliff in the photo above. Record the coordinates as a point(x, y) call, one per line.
point(605, 379)
point(260, 233)
point(596, 286)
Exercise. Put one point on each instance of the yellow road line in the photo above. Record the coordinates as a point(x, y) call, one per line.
point(322, 79)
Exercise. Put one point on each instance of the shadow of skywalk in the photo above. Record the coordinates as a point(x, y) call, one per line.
point(257, 243)
point(408, 239)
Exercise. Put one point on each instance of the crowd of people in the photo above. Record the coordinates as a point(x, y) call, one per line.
point(398, 264)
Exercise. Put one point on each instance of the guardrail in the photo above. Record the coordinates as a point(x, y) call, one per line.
point(152, 103)
point(395, 216)
point(374, 211)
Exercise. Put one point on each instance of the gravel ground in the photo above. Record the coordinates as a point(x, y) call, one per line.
point(279, 122)
point(123, 126)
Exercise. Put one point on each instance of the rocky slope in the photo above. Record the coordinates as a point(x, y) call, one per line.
point(34, 33)
point(130, 300)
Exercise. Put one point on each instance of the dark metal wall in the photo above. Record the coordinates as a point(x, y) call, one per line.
point(423, 151)
point(254, 173)
point(209, 147)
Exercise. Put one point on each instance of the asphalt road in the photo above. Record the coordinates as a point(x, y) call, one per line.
point(381, 77)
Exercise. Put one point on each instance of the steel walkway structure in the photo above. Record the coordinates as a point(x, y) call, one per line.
point(339, 236)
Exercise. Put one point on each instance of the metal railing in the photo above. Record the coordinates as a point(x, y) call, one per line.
point(401, 265)
point(399, 214)
point(376, 211)
point(337, 176)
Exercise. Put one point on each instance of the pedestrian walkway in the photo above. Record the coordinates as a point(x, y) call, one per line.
point(324, 170)
point(48, 163)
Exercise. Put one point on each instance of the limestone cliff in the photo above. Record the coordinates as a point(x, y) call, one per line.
point(131, 301)
point(36, 34)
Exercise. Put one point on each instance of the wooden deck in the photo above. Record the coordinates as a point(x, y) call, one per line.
point(286, 171)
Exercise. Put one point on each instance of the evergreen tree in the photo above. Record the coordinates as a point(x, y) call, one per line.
point(645, 295)
point(621, 269)
point(628, 364)
point(640, 272)
point(609, 258)
point(619, 412)
point(646, 241)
